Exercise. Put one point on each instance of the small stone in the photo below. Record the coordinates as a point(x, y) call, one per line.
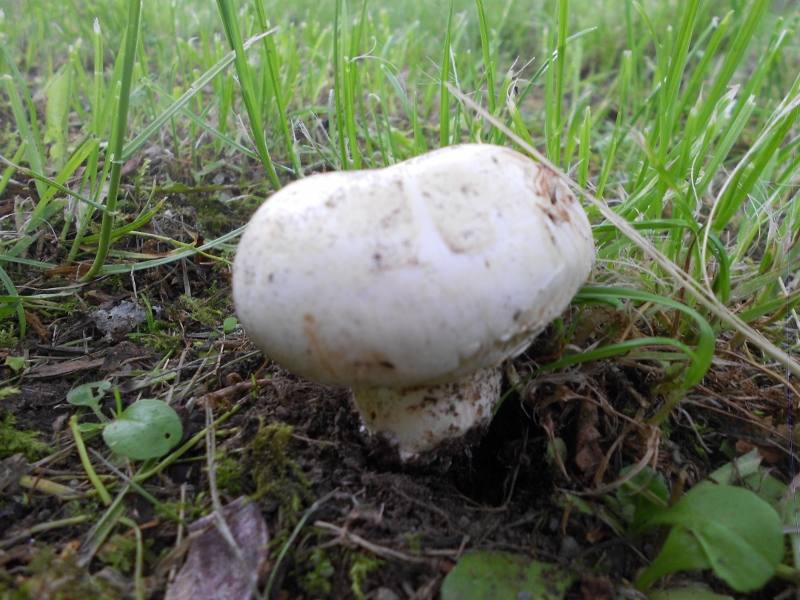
point(570, 548)
point(385, 593)
point(121, 319)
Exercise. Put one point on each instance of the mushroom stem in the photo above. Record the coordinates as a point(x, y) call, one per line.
point(418, 419)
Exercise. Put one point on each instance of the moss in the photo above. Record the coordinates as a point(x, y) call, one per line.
point(216, 216)
point(274, 473)
point(199, 309)
point(50, 575)
point(194, 507)
point(83, 506)
point(165, 342)
point(8, 337)
point(230, 473)
point(319, 566)
point(317, 581)
point(119, 552)
point(360, 568)
point(13, 441)
point(414, 541)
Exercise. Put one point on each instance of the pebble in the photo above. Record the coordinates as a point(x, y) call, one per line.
point(385, 593)
point(570, 548)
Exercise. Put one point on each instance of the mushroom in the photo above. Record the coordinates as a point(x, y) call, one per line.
point(413, 283)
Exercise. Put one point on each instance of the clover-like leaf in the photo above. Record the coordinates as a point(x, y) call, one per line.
point(229, 324)
point(16, 363)
point(84, 395)
point(727, 529)
point(693, 592)
point(501, 576)
point(146, 429)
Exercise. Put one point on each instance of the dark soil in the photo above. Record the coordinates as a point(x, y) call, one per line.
point(292, 445)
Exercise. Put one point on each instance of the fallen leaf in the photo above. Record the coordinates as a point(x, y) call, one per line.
point(588, 453)
point(11, 469)
point(504, 575)
point(37, 326)
point(74, 271)
point(597, 588)
point(65, 368)
point(768, 455)
point(212, 570)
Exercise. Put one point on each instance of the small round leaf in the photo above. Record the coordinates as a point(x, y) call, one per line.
point(728, 529)
point(146, 429)
point(496, 575)
point(83, 395)
point(229, 324)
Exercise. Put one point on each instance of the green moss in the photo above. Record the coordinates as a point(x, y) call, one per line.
point(165, 342)
point(317, 581)
point(215, 216)
point(49, 575)
point(414, 541)
point(360, 568)
point(119, 552)
point(231, 473)
point(193, 507)
point(12, 441)
point(274, 473)
point(201, 310)
point(82, 507)
point(318, 567)
point(8, 337)
point(8, 391)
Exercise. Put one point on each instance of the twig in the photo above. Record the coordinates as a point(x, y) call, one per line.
point(650, 456)
point(309, 440)
point(348, 538)
point(49, 487)
point(243, 386)
point(30, 532)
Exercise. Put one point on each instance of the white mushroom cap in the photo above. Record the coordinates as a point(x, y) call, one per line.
point(411, 276)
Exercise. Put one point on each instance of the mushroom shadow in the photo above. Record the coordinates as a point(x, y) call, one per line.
point(485, 476)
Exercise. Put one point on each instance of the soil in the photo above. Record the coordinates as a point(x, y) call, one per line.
point(298, 449)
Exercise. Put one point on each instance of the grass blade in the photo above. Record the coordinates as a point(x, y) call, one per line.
point(444, 95)
point(118, 135)
point(247, 85)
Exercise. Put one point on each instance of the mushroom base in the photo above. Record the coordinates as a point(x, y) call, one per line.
point(418, 419)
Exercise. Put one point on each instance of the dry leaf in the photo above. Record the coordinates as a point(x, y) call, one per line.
point(11, 469)
point(212, 570)
point(588, 453)
point(64, 368)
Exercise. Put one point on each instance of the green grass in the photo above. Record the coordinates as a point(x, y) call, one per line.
point(677, 120)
